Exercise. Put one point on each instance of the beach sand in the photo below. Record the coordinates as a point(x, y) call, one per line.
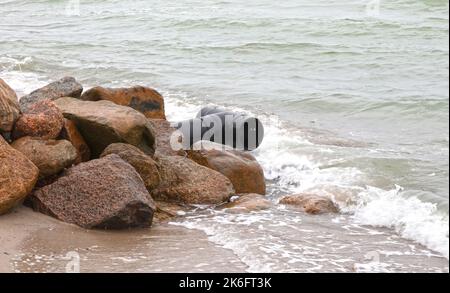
point(32, 242)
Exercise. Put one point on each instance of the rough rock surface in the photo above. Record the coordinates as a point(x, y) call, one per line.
point(240, 167)
point(106, 193)
point(183, 180)
point(102, 123)
point(248, 203)
point(70, 132)
point(163, 132)
point(9, 107)
point(145, 166)
point(50, 156)
point(168, 210)
point(143, 99)
point(310, 203)
point(18, 175)
point(42, 119)
point(65, 87)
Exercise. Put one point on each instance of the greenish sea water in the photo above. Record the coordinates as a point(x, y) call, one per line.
point(354, 94)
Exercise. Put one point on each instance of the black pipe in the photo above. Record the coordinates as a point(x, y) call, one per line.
point(237, 130)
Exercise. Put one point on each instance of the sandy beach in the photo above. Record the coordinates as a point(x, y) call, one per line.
point(32, 242)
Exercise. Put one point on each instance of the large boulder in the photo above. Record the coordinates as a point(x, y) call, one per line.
point(146, 167)
point(102, 123)
point(143, 99)
point(50, 156)
point(106, 193)
point(184, 181)
point(164, 133)
point(9, 107)
point(310, 203)
point(246, 203)
point(240, 167)
point(70, 132)
point(65, 87)
point(42, 119)
point(18, 175)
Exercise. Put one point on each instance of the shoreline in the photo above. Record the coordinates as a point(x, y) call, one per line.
point(26, 248)
point(37, 243)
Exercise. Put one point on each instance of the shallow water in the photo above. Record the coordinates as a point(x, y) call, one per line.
point(355, 100)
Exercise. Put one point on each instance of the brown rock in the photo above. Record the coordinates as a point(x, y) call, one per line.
point(163, 132)
point(167, 211)
point(185, 181)
point(248, 203)
point(240, 167)
point(106, 193)
point(18, 175)
point(145, 166)
point(143, 99)
point(50, 156)
point(9, 107)
point(65, 87)
point(70, 132)
point(310, 203)
point(102, 123)
point(42, 119)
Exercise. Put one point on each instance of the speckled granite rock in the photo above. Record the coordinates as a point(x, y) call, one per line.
point(42, 119)
point(163, 133)
point(9, 107)
point(249, 202)
point(310, 203)
point(70, 132)
point(106, 193)
point(102, 123)
point(183, 180)
point(240, 167)
point(143, 99)
point(50, 156)
point(18, 175)
point(65, 87)
point(145, 166)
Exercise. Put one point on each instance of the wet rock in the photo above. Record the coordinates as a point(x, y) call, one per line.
point(70, 132)
point(164, 133)
point(50, 156)
point(240, 167)
point(144, 165)
point(167, 211)
point(184, 181)
point(143, 99)
point(310, 203)
point(248, 203)
point(18, 175)
point(65, 87)
point(42, 119)
point(106, 193)
point(9, 107)
point(102, 123)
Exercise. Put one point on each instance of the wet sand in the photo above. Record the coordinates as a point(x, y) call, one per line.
point(31, 242)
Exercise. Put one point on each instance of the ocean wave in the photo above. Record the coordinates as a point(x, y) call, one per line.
point(409, 217)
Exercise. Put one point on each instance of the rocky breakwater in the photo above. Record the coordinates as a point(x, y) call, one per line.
point(103, 160)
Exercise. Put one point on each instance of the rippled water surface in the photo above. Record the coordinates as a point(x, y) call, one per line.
point(354, 97)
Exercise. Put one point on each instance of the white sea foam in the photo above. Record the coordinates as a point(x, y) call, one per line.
point(410, 217)
point(23, 82)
